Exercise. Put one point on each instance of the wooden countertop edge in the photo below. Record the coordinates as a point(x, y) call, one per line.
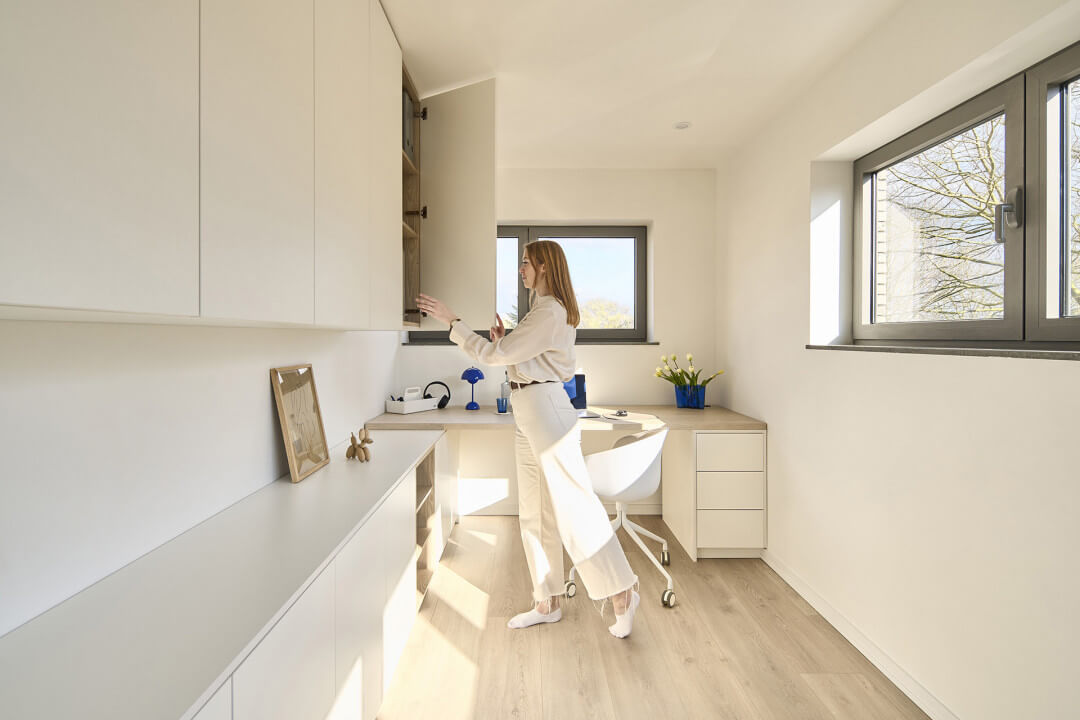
point(715, 418)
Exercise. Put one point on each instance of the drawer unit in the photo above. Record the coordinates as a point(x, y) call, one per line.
point(731, 528)
point(730, 493)
point(731, 490)
point(731, 452)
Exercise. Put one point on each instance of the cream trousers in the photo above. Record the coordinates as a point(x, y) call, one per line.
point(556, 502)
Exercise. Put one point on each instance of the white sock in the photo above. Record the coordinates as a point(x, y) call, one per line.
point(534, 617)
point(625, 622)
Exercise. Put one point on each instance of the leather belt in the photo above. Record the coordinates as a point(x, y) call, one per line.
point(518, 386)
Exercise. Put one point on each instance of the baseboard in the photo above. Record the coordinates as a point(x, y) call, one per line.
point(637, 509)
point(510, 508)
point(720, 553)
point(907, 684)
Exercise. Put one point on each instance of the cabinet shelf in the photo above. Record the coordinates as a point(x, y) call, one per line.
point(424, 499)
point(410, 197)
point(407, 166)
point(422, 537)
point(423, 580)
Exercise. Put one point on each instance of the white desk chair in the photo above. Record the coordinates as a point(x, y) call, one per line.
point(627, 472)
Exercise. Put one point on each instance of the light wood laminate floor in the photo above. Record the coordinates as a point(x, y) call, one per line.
point(740, 644)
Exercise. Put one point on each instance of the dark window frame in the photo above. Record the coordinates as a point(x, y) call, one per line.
point(1031, 322)
point(525, 234)
point(1006, 98)
point(637, 334)
point(1043, 79)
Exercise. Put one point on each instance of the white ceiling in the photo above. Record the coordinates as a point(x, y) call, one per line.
point(599, 83)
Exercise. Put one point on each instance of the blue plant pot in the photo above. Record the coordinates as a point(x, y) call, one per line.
point(690, 396)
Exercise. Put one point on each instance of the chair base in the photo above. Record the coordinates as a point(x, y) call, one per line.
point(632, 529)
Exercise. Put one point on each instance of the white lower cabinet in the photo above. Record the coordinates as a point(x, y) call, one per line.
point(333, 654)
point(290, 674)
point(219, 706)
point(360, 597)
point(399, 547)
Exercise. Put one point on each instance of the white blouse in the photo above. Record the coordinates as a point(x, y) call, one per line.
point(540, 348)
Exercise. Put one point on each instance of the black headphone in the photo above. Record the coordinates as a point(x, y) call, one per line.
point(443, 401)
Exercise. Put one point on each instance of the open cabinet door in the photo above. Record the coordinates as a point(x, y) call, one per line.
point(457, 255)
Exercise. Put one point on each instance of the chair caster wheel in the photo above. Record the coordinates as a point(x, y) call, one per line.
point(667, 599)
point(665, 557)
point(571, 588)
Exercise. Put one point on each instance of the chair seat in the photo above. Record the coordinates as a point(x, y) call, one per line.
point(628, 472)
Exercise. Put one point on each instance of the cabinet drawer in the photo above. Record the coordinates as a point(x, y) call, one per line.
point(731, 490)
point(731, 451)
point(731, 528)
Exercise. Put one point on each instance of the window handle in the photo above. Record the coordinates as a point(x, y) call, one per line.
point(1009, 213)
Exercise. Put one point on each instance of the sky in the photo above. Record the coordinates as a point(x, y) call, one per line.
point(599, 268)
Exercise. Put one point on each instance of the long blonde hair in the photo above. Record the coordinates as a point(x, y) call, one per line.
point(549, 255)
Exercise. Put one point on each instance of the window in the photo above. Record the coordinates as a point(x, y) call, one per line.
point(968, 228)
point(607, 269)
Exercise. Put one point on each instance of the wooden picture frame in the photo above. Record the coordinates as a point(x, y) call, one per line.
point(301, 419)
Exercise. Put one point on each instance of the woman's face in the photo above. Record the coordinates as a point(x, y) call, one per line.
point(528, 272)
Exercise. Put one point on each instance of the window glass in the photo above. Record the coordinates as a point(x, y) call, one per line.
point(602, 271)
point(506, 281)
point(935, 257)
point(1072, 202)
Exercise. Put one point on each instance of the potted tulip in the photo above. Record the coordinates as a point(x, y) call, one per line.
point(689, 388)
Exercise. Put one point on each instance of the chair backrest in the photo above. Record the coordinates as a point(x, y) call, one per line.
point(629, 471)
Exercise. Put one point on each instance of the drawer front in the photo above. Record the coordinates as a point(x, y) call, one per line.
point(731, 528)
point(731, 451)
point(731, 490)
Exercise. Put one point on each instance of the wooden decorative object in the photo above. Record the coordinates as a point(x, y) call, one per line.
point(357, 448)
point(301, 419)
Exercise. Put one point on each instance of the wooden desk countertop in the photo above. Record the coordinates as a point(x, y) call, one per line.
point(711, 418)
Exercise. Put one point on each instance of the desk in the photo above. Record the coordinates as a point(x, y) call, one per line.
point(713, 492)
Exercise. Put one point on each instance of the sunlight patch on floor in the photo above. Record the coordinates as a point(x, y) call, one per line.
point(461, 596)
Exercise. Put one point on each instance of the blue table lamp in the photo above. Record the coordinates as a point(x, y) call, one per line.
point(472, 375)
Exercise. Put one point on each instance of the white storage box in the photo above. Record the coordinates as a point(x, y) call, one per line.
point(404, 407)
point(411, 401)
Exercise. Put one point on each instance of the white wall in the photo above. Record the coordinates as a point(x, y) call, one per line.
point(927, 503)
point(117, 438)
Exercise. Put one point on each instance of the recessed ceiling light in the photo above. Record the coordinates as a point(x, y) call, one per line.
point(681, 125)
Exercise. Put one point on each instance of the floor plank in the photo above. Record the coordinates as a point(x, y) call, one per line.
point(572, 671)
point(739, 644)
point(853, 697)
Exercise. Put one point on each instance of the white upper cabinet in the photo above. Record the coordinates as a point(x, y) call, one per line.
point(341, 163)
point(458, 187)
point(384, 254)
point(99, 169)
point(257, 151)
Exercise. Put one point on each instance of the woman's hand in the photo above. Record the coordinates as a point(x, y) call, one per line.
point(435, 308)
point(497, 330)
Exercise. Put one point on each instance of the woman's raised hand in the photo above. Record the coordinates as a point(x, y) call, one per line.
point(497, 330)
point(435, 308)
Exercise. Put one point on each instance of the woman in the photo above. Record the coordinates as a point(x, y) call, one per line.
point(555, 497)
